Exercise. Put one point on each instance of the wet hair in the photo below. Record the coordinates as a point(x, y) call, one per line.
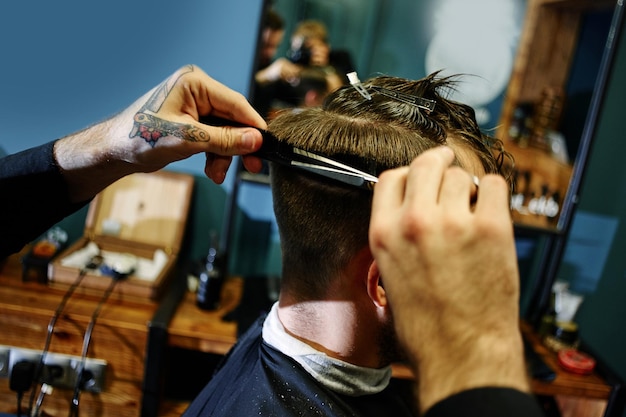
point(323, 224)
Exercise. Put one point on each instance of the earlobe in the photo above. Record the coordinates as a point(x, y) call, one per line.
point(374, 286)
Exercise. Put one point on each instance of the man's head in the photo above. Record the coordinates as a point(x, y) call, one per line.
point(323, 225)
point(271, 37)
point(310, 88)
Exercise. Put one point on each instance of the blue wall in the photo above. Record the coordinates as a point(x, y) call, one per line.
point(67, 64)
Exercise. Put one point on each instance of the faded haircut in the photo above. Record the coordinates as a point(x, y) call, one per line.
point(323, 224)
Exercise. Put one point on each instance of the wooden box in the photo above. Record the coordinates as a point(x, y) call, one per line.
point(143, 215)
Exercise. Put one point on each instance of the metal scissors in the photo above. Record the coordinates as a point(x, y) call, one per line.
point(279, 152)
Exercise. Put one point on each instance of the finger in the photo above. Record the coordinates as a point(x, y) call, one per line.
point(232, 105)
point(389, 192)
point(252, 163)
point(456, 189)
point(229, 141)
point(493, 200)
point(204, 95)
point(216, 167)
point(425, 176)
point(387, 200)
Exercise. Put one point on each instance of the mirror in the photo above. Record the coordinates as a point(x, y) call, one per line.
point(533, 71)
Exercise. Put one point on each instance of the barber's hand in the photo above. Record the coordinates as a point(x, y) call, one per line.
point(159, 128)
point(280, 69)
point(450, 271)
point(165, 124)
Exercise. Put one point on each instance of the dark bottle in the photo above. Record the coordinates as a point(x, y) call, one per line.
point(210, 279)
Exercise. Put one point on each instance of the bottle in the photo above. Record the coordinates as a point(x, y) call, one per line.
point(210, 279)
point(549, 318)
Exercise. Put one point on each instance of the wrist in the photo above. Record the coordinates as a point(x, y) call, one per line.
point(88, 161)
point(484, 360)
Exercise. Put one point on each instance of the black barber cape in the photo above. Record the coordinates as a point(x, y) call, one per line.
point(257, 380)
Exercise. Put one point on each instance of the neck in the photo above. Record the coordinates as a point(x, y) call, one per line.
point(341, 328)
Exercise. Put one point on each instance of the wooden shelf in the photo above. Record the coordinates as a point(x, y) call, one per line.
point(545, 51)
point(565, 383)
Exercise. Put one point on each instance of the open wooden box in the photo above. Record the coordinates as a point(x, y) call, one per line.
point(143, 215)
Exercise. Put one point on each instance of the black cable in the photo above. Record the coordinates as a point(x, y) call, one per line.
point(20, 395)
point(93, 263)
point(78, 385)
point(21, 380)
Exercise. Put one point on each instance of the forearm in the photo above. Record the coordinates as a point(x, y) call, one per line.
point(89, 162)
point(481, 361)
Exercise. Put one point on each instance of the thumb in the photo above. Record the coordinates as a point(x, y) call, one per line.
point(229, 141)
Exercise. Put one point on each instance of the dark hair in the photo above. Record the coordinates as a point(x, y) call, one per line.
point(272, 20)
point(322, 224)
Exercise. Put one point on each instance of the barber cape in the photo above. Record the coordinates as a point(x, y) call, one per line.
point(257, 379)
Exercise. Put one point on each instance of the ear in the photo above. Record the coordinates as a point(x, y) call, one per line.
point(375, 290)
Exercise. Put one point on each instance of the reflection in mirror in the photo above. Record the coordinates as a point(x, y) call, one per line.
point(548, 115)
point(530, 69)
point(413, 39)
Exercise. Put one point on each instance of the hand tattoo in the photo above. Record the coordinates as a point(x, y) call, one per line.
point(151, 128)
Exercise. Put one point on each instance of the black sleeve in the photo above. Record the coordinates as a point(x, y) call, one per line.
point(487, 402)
point(34, 197)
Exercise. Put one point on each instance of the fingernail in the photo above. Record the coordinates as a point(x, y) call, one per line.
point(219, 177)
point(247, 140)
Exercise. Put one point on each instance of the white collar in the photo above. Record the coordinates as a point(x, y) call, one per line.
point(339, 376)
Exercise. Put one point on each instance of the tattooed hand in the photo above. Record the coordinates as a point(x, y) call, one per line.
point(173, 109)
point(159, 128)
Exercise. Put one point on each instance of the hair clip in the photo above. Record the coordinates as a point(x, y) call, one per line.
point(356, 83)
point(422, 103)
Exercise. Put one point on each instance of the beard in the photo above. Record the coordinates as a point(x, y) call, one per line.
point(388, 345)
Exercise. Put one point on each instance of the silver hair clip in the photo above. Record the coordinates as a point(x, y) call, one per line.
point(422, 103)
point(356, 83)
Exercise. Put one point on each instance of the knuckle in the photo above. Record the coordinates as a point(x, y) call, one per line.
point(225, 140)
point(414, 227)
